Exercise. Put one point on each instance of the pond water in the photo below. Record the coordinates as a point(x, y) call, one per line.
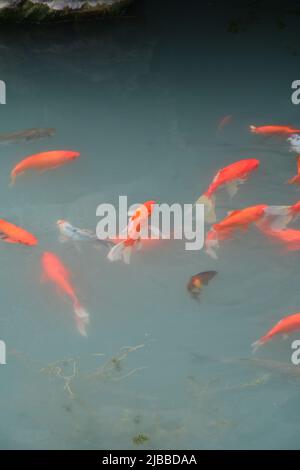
point(141, 99)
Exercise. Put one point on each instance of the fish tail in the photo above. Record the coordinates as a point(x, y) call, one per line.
point(13, 177)
point(258, 343)
point(82, 318)
point(120, 252)
point(211, 245)
point(209, 208)
point(275, 218)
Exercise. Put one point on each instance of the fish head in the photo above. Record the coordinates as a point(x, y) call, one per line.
point(62, 225)
point(72, 155)
point(60, 222)
point(194, 286)
point(149, 205)
point(197, 282)
point(252, 128)
point(30, 240)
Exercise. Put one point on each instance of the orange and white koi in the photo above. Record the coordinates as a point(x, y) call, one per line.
point(43, 161)
point(274, 130)
point(285, 326)
point(137, 221)
point(55, 271)
point(235, 220)
point(11, 233)
point(230, 177)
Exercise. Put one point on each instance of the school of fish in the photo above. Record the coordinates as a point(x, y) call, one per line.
point(271, 221)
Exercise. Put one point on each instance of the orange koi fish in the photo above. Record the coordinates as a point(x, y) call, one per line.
point(43, 161)
point(10, 233)
point(296, 179)
point(137, 221)
point(284, 326)
point(274, 130)
point(230, 177)
point(235, 220)
point(55, 271)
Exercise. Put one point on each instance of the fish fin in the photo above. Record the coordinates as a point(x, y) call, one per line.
point(233, 212)
point(127, 254)
point(116, 252)
point(232, 188)
point(210, 247)
point(6, 239)
point(276, 217)
point(242, 180)
point(256, 345)
point(216, 176)
point(139, 245)
point(280, 222)
point(285, 336)
point(276, 210)
point(209, 208)
point(12, 181)
point(82, 318)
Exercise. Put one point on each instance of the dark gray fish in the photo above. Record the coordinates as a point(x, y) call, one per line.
point(27, 135)
point(199, 280)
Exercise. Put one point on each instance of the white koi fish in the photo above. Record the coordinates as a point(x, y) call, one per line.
point(69, 232)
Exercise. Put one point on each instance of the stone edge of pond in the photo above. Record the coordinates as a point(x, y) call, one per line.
point(28, 12)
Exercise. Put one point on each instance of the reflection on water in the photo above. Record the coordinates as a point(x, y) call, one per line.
point(142, 99)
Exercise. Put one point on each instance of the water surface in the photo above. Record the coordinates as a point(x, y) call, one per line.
point(141, 99)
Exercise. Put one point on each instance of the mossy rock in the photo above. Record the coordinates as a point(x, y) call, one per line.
point(27, 11)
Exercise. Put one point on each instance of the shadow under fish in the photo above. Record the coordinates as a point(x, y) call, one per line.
point(199, 280)
point(26, 135)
